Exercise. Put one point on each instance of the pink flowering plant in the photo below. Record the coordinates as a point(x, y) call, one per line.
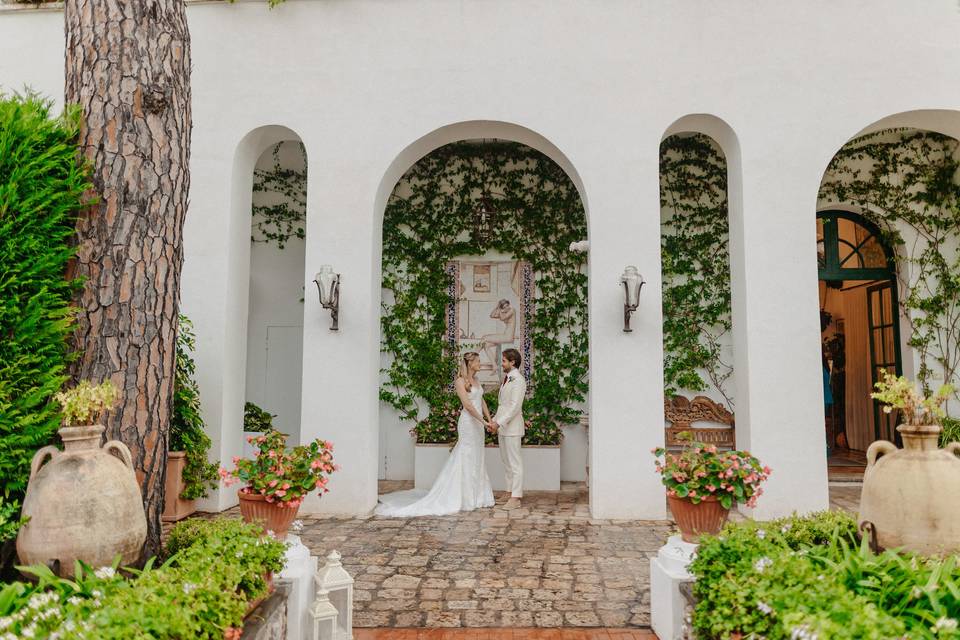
point(700, 471)
point(283, 476)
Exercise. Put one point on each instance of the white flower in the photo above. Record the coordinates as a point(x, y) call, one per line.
point(761, 534)
point(28, 632)
point(916, 592)
point(188, 587)
point(944, 624)
point(97, 593)
point(802, 633)
point(785, 528)
point(764, 607)
point(74, 600)
point(5, 622)
point(296, 526)
point(762, 563)
point(105, 573)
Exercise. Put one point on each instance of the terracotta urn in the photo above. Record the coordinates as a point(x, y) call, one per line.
point(908, 494)
point(274, 517)
point(174, 507)
point(84, 504)
point(694, 520)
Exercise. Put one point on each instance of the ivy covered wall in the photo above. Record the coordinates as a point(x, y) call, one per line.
point(695, 264)
point(429, 221)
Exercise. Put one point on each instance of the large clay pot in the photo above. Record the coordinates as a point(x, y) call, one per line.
point(174, 507)
point(909, 494)
point(84, 504)
point(255, 508)
point(694, 520)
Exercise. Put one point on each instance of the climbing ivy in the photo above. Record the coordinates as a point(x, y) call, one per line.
point(906, 182)
point(428, 222)
point(695, 264)
point(286, 188)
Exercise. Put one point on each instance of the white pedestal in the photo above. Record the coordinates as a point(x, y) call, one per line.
point(667, 570)
point(300, 568)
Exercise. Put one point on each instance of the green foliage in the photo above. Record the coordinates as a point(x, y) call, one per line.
point(427, 223)
point(255, 419)
point(906, 182)
point(695, 263)
point(42, 188)
point(951, 431)
point(214, 568)
point(10, 520)
point(810, 575)
point(286, 214)
point(186, 425)
point(86, 403)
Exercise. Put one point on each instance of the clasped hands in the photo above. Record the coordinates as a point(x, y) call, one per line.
point(492, 426)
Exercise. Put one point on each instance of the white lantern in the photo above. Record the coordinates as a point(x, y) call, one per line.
point(324, 617)
point(632, 284)
point(328, 286)
point(338, 585)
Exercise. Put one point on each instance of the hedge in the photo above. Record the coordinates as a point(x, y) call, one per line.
point(42, 188)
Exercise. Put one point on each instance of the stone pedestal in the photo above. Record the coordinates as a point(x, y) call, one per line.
point(299, 569)
point(667, 570)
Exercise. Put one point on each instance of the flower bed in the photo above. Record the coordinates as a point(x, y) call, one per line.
point(811, 577)
point(212, 570)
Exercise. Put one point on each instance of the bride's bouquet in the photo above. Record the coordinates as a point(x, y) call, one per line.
point(283, 477)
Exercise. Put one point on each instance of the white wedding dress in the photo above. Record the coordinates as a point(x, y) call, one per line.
point(463, 484)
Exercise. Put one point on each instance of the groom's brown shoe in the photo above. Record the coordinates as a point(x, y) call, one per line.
point(512, 503)
point(503, 497)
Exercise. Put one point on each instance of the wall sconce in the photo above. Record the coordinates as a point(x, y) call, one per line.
point(632, 283)
point(328, 285)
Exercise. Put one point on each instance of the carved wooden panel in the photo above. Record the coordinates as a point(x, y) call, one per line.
point(682, 412)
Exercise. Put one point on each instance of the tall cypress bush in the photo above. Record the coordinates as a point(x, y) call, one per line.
point(42, 187)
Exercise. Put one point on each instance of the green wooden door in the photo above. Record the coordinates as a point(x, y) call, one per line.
point(884, 351)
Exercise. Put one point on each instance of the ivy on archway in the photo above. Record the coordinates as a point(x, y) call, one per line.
point(695, 265)
point(906, 182)
point(428, 222)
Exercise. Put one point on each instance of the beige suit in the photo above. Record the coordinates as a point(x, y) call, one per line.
point(509, 419)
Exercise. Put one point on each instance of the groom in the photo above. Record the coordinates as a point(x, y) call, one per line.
point(508, 424)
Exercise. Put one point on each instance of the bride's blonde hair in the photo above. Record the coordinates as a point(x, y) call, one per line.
point(464, 371)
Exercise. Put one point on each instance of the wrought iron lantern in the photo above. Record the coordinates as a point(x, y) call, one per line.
point(484, 220)
point(328, 286)
point(632, 284)
point(335, 584)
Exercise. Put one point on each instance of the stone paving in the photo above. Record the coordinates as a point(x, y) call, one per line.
point(547, 564)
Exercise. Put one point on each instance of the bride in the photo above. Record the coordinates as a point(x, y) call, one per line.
point(463, 484)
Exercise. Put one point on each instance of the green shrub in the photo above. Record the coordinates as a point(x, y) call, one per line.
point(810, 577)
point(186, 425)
point(213, 570)
point(951, 430)
point(255, 419)
point(42, 188)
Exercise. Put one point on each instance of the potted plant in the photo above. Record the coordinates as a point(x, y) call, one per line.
point(82, 503)
point(906, 500)
point(703, 483)
point(277, 480)
point(189, 474)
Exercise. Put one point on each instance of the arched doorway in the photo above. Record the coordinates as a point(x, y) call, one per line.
point(860, 335)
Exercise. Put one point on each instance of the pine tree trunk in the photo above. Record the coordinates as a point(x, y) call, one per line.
point(128, 66)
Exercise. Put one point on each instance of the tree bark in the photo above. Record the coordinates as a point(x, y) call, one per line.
point(128, 66)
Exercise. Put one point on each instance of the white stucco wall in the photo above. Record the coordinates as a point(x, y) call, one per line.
point(371, 85)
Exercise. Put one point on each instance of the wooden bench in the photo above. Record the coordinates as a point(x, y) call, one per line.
point(680, 413)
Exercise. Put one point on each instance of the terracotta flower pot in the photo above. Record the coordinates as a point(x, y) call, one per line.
point(174, 507)
point(275, 518)
point(694, 520)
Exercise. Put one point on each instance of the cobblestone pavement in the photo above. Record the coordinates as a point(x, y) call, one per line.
point(548, 564)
